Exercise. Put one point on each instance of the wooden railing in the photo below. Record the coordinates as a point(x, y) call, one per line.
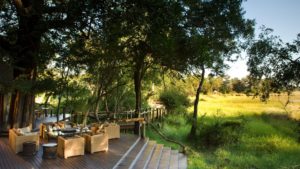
point(149, 114)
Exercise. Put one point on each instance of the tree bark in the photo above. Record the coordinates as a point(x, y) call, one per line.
point(58, 108)
point(46, 103)
point(138, 75)
point(195, 113)
point(138, 99)
point(97, 102)
point(23, 52)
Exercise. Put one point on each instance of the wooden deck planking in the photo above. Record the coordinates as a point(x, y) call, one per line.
point(6, 154)
point(99, 160)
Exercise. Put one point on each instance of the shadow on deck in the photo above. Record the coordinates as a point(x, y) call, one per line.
point(99, 160)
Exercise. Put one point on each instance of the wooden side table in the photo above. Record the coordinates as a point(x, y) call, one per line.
point(49, 150)
point(29, 148)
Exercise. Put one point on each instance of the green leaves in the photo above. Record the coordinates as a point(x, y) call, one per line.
point(274, 62)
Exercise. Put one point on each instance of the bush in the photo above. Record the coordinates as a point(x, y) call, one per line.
point(174, 100)
point(220, 133)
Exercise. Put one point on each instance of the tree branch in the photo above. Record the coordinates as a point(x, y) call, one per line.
point(22, 8)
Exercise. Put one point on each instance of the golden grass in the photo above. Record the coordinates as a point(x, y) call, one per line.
point(234, 105)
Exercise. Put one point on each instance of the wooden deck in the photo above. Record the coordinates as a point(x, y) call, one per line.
point(99, 160)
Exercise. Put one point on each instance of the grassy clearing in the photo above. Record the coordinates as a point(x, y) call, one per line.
point(267, 139)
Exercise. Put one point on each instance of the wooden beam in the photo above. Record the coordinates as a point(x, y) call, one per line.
point(140, 119)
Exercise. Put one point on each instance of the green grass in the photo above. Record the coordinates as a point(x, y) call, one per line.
point(268, 138)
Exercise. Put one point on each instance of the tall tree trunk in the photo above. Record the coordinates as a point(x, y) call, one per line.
point(21, 108)
point(24, 54)
point(97, 103)
point(138, 94)
point(138, 100)
point(65, 78)
point(195, 113)
point(46, 104)
point(58, 108)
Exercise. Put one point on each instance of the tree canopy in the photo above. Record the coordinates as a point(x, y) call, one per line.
point(111, 46)
point(275, 62)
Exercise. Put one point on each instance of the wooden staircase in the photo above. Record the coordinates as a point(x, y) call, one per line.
point(145, 154)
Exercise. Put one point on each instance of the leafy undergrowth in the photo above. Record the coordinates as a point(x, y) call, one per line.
point(252, 141)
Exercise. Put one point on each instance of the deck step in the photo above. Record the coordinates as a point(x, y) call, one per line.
point(155, 159)
point(130, 157)
point(143, 160)
point(182, 161)
point(145, 154)
point(165, 158)
point(174, 160)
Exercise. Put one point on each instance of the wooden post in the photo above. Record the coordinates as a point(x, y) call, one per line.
point(160, 114)
point(148, 114)
point(143, 129)
point(150, 119)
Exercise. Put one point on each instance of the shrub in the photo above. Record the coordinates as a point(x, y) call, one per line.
point(174, 100)
point(220, 133)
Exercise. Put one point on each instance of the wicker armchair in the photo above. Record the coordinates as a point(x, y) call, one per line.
point(96, 143)
point(112, 130)
point(71, 146)
point(16, 140)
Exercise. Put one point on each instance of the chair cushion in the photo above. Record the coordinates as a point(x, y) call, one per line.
point(30, 133)
point(49, 128)
point(18, 132)
point(25, 129)
point(22, 131)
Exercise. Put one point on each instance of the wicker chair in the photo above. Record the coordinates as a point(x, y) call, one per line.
point(96, 143)
point(16, 140)
point(112, 130)
point(71, 146)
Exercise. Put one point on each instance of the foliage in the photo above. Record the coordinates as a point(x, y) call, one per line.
point(219, 133)
point(239, 86)
point(268, 137)
point(213, 41)
point(174, 100)
point(275, 62)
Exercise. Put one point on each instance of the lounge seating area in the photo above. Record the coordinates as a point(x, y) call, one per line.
point(71, 139)
point(125, 151)
point(102, 159)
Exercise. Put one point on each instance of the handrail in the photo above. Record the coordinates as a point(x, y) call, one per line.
point(183, 147)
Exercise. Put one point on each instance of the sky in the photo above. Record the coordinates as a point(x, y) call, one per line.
point(280, 15)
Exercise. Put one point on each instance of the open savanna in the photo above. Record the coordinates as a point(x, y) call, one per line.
point(265, 135)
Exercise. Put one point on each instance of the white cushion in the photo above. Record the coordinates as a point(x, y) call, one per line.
point(30, 133)
point(25, 129)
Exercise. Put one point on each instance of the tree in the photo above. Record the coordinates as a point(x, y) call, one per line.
point(147, 36)
point(215, 28)
point(226, 86)
point(25, 25)
point(238, 85)
point(274, 63)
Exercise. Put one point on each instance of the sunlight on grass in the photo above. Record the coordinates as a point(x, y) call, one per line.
point(257, 127)
point(268, 137)
point(231, 105)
